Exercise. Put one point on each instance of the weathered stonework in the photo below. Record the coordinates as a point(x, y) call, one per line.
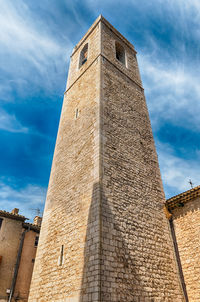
point(10, 235)
point(104, 236)
point(17, 254)
point(185, 210)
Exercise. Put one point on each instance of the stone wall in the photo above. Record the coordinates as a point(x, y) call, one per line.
point(26, 267)
point(109, 37)
point(137, 257)
point(104, 236)
point(71, 216)
point(186, 222)
point(10, 235)
point(16, 236)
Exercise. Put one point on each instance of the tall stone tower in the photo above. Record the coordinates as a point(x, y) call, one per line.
point(104, 235)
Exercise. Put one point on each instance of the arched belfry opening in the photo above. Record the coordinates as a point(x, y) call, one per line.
point(120, 53)
point(83, 55)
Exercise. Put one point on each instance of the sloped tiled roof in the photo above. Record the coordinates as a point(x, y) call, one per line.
point(31, 226)
point(183, 197)
point(12, 216)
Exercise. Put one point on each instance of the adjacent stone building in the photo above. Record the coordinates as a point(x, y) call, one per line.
point(18, 244)
point(104, 236)
point(184, 215)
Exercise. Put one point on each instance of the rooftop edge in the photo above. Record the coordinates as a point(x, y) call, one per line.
point(12, 216)
point(183, 197)
point(110, 26)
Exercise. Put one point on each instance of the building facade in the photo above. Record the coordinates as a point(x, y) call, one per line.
point(18, 244)
point(104, 236)
point(184, 215)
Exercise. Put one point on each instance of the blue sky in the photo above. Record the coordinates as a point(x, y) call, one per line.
point(36, 40)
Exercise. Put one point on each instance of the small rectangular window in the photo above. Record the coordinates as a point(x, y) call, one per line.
point(36, 241)
point(76, 113)
point(61, 255)
point(1, 220)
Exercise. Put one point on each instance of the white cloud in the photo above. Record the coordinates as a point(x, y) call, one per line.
point(186, 6)
point(27, 199)
point(172, 87)
point(173, 95)
point(29, 51)
point(172, 90)
point(10, 123)
point(20, 35)
point(171, 75)
point(176, 172)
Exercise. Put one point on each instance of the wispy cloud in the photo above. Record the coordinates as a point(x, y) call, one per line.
point(10, 123)
point(22, 34)
point(28, 49)
point(169, 75)
point(36, 40)
point(27, 199)
point(172, 90)
point(176, 171)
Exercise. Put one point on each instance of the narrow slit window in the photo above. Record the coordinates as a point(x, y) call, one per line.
point(61, 255)
point(83, 55)
point(76, 113)
point(120, 53)
point(1, 220)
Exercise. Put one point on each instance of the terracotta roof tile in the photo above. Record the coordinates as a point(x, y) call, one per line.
point(183, 197)
point(32, 226)
point(12, 216)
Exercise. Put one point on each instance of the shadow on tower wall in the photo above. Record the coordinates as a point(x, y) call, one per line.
point(112, 269)
point(91, 271)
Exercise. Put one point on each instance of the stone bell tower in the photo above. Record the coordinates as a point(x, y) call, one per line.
point(104, 236)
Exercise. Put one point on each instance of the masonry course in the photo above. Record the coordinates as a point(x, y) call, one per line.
point(185, 216)
point(105, 199)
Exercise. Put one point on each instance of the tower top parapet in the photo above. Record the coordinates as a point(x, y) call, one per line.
point(92, 27)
